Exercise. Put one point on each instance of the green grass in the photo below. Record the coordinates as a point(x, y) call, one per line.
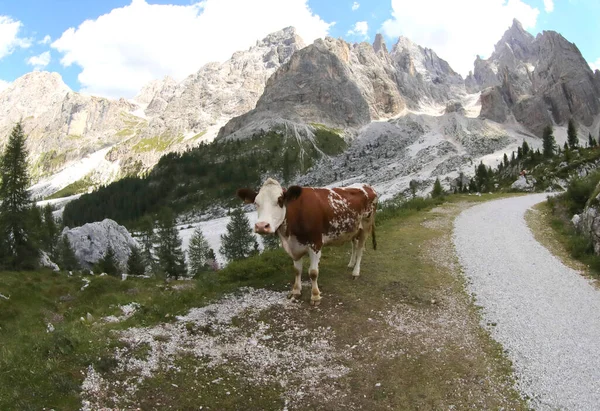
point(78, 187)
point(446, 365)
point(557, 215)
point(156, 143)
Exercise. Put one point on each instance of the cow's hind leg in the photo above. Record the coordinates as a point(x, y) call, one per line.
point(360, 247)
point(315, 257)
point(297, 288)
point(353, 257)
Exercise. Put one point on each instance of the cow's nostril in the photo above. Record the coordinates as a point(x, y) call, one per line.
point(267, 225)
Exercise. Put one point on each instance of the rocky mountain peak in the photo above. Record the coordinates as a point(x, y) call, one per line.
point(148, 92)
point(379, 44)
point(286, 36)
point(516, 43)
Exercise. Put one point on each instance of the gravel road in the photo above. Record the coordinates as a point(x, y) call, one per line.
point(545, 315)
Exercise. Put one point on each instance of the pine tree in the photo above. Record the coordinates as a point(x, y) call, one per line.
point(18, 250)
point(572, 135)
point(66, 255)
point(413, 185)
point(482, 177)
point(591, 141)
point(171, 260)
point(49, 232)
point(437, 191)
point(198, 253)
point(109, 264)
point(548, 142)
point(271, 241)
point(238, 242)
point(505, 160)
point(135, 262)
point(525, 148)
point(147, 240)
point(519, 153)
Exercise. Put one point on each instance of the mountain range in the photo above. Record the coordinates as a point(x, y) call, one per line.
point(404, 112)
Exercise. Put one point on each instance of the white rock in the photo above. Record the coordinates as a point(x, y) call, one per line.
point(91, 241)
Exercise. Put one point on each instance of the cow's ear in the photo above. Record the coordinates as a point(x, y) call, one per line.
point(292, 193)
point(247, 195)
point(281, 199)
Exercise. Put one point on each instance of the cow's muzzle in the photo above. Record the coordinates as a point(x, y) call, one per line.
point(262, 228)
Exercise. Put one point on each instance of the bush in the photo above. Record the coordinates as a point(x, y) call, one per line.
point(579, 192)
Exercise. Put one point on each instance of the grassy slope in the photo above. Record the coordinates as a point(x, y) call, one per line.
point(416, 330)
point(560, 238)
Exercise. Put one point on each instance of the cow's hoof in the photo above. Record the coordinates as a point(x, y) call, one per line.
point(315, 303)
point(355, 276)
point(294, 296)
point(350, 265)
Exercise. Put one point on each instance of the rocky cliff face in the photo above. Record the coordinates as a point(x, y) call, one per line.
point(65, 127)
point(62, 125)
point(538, 80)
point(347, 86)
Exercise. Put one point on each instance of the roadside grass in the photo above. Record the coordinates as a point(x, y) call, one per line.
point(406, 330)
point(556, 232)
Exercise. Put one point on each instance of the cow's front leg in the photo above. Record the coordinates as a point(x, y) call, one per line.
point(360, 247)
point(353, 256)
point(315, 256)
point(297, 288)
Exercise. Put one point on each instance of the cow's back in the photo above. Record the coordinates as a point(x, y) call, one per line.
point(322, 213)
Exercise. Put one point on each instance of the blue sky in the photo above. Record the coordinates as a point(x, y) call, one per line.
point(126, 43)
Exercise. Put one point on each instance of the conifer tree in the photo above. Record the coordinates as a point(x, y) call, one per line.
point(171, 260)
point(238, 242)
point(525, 148)
point(548, 142)
point(505, 160)
point(147, 242)
point(109, 264)
point(519, 153)
point(66, 255)
point(198, 253)
point(437, 191)
point(413, 185)
point(18, 250)
point(591, 141)
point(572, 135)
point(135, 262)
point(49, 232)
point(271, 241)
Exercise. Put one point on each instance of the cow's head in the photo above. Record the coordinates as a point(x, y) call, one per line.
point(270, 202)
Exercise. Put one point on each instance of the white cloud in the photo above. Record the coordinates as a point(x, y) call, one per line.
point(360, 29)
point(121, 51)
point(46, 40)
point(595, 65)
point(355, 6)
point(455, 35)
point(549, 6)
point(3, 85)
point(41, 61)
point(9, 36)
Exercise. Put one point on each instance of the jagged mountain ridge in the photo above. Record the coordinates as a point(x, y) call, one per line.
point(280, 83)
point(66, 128)
point(346, 86)
point(536, 80)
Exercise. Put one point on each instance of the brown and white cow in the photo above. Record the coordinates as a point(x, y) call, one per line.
point(308, 218)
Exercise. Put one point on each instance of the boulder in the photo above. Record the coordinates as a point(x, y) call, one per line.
point(91, 241)
point(524, 183)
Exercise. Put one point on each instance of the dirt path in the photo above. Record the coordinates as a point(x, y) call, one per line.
point(544, 313)
point(405, 336)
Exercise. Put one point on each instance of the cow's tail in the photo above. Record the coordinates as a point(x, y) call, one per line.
point(373, 237)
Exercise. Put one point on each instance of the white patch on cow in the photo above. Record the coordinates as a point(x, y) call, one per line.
point(267, 204)
point(359, 186)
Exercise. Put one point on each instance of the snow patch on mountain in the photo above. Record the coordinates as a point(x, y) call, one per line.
point(95, 166)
